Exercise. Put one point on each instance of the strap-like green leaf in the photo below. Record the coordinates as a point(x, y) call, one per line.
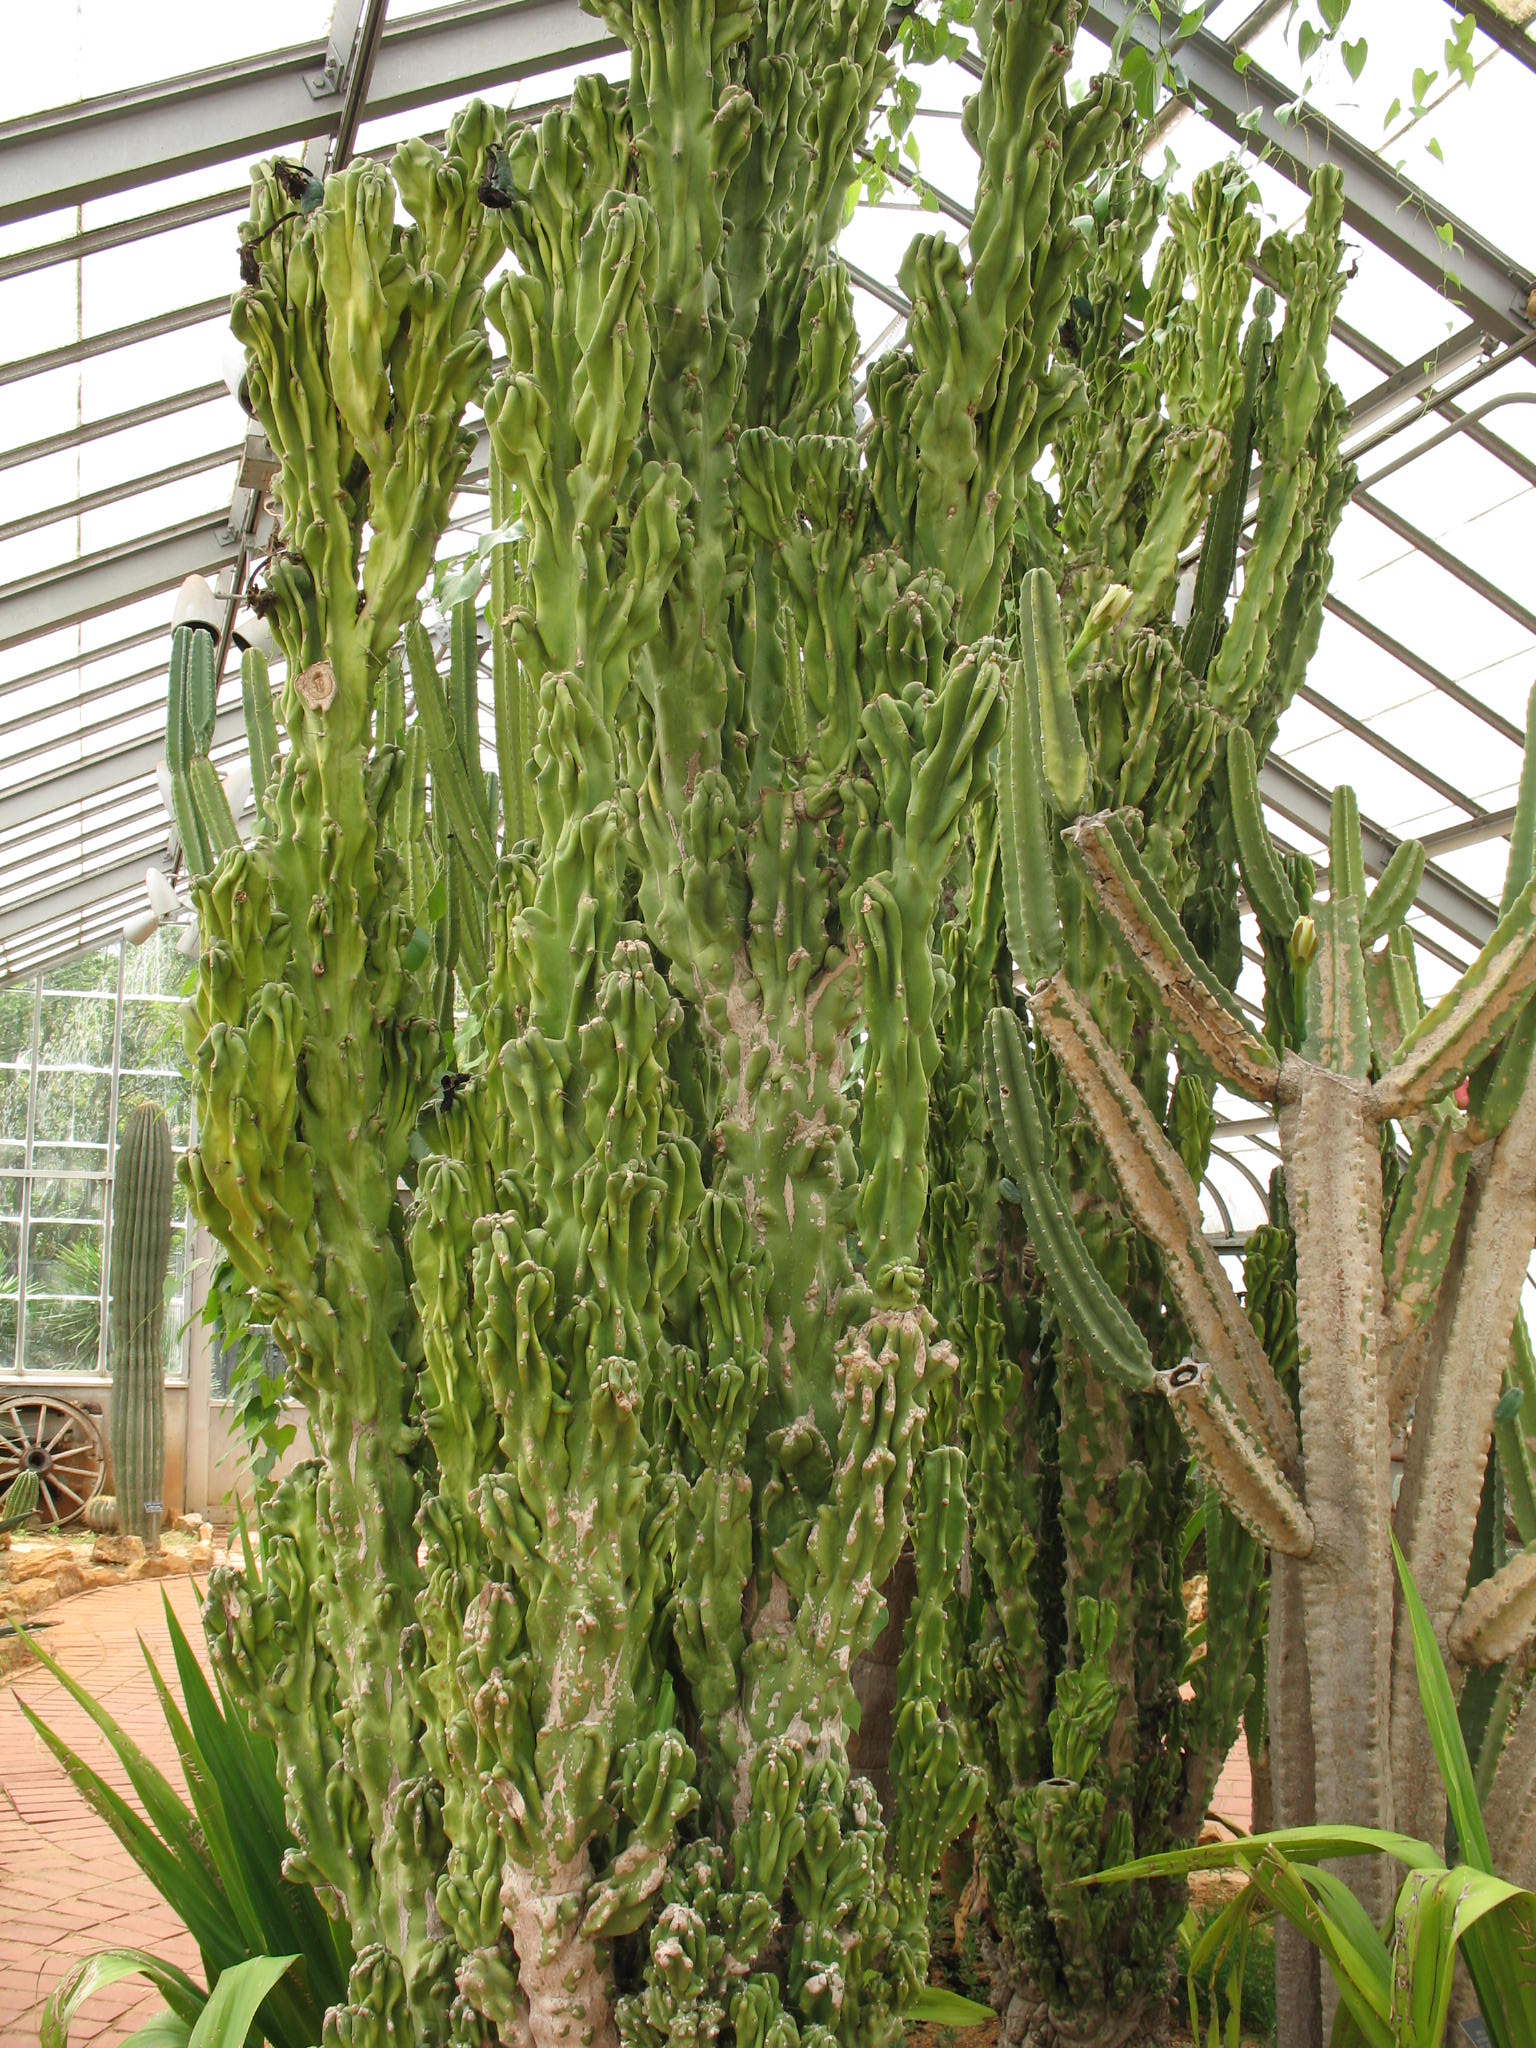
point(99, 1972)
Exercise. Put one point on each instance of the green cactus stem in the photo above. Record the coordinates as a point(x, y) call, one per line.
point(142, 1189)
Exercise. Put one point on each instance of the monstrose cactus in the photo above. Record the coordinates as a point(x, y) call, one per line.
point(611, 1313)
point(143, 1185)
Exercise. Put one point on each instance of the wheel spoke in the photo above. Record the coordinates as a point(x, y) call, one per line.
point(46, 1493)
point(66, 1424)
point(72, 1454)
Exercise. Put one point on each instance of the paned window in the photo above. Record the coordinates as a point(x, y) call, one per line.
point(80, 1046)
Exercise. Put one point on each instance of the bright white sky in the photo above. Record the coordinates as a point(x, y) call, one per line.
point(1467, 150)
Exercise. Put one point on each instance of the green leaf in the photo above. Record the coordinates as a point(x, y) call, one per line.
point(417, 947)
point(1309, 40)
point(1422, 81)
point(165, 2030)
point(1392, 113)
point(1333, 13)
point(1354, 55)
point(226, 2018)
point(1190, 20)
point(938, 2008)
point(1300, 1845)
point(1508, 1404)
point(98, 1972)
point(1440, 1717)
point(1435, 150)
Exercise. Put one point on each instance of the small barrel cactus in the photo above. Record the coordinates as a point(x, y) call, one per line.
point(141, 1250)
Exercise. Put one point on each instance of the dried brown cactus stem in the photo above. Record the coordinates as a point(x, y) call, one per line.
point(1198, 1010)
point(1510, 1811)
point(1162, 1197)
point(1452, 1427)
point(1497, 1620)
point(1293, 1782)
point(1328, 1136)
point(1245, 1475)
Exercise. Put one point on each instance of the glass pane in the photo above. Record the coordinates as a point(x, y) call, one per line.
point(55, 1198)
point(10, 1194)
point(15, 1021)
point(156, 968)
point(64, 1257)
point(7, 1333)
point(169, 1092)
point(62, 1336)
point(10, 1248)
point(152, 1035)
point(71, 1122)
point(75, 1031)
point(96, 971)
point(13, 1104)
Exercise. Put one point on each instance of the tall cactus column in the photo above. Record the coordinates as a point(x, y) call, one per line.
point(141, 1253)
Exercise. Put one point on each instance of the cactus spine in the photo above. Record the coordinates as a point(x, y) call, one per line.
point(142, 1188)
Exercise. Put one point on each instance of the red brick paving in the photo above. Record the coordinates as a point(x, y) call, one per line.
point(66, 1887)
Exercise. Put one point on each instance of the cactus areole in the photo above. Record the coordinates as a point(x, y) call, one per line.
point(142, 1189)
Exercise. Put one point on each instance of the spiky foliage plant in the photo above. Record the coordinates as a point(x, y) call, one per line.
point(615, 1343)
point(1099, 1736)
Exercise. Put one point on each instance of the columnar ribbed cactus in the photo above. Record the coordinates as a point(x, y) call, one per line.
point(625, 1405)
point(143, 1185)
point(1404, 1325)
point(1074, 1687)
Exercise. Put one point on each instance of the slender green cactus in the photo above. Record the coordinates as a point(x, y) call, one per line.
point(142, 1189)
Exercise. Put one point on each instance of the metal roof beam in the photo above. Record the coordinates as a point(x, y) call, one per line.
point(56, 949)
point(233, 112)
point(119, 493)
point(1388, 209)
point(111, 423)
point(114, 576)
point(113, 769)
point(1442, 557)
point(1306, 803)
point(1499, 29)
point(1458, 693)
point(89, 346)
point(85, 894)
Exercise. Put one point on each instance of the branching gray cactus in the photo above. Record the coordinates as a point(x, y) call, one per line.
point(1407, 1327)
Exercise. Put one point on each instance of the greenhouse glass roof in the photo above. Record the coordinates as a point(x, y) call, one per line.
point(125, 463)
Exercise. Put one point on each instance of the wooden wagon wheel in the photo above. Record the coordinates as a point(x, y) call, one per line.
point(62, 1444)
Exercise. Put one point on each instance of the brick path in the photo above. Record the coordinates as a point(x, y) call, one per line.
point(66, 1887)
